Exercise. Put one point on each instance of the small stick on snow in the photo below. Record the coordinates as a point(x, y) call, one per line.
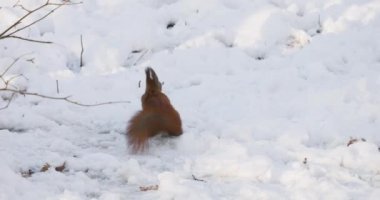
point(320, 28)
point(9, 102)
point(147, 188)
point(67, 99)
point(81, 52)
point(7, 84)
point(10, 31)
point(197, 179)
point(142, 55)
point(355, 140)
point(56, 82)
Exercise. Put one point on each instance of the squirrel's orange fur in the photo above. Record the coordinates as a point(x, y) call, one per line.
point(157, 115)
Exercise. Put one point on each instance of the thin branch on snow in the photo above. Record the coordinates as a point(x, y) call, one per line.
point(81, 52)
point(17, 4)
point(197, 179)
point(320, 26)
point(67, 98)
point(10, 66)
point(7, 82)
point(8, 87)
point(13, 78)
point(148, 188)
point(12, 29)
point(20, 25)
point(9, 101)
point(141, 57)
point(355, 140)
point(56, 83)
point(30, 40)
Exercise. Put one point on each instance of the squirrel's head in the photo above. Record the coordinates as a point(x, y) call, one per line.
point(152, 82)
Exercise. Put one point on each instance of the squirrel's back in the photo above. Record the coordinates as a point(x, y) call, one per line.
point(157, 115)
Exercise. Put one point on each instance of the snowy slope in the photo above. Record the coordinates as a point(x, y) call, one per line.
point(270, 93)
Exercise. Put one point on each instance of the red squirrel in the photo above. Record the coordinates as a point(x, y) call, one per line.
point(157, 115)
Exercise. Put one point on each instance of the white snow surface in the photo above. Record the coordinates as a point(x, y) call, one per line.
point(270, 92)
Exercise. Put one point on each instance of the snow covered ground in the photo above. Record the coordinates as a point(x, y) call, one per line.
point(270, 93)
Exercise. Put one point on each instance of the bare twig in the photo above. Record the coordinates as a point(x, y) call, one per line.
point(22, 18)
point(18, 26)
point(14, 77)
point(17, 3)
point(21, 6)
point(147, 188)
point(56, 82)
point(81, 52)
point(7, 82)
point(320, 26)
point(30, 60)
point(9, 102)
point(141, 56)
point(27, 39)
point(15, 90)
point(67, 98)
point(197, 179)
point(7, 33)
point(10, 66)
point(355, 140)
point(34, 22)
